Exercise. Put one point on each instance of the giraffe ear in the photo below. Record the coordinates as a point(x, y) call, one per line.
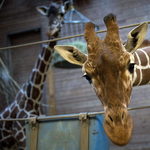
point(71, 54)
point(67, 6)
point(136, 37)
point(42, 10)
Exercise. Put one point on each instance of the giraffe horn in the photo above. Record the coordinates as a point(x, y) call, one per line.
point(90, 36)
point(111, 24)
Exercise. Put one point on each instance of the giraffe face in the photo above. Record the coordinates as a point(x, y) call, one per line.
point(55, 14)
point(110, 75)
point(109, 68)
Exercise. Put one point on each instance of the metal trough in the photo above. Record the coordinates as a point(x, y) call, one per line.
point(78, 133)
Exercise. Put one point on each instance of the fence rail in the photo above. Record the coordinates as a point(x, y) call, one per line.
point(68, 116)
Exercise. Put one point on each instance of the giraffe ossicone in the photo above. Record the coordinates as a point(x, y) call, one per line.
point(28, 99)
point(112, 69)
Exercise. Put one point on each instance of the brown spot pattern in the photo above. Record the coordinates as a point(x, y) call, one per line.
point(5, 133)
point(8, 125)
point(52, 44)
point(29, 106)
point(36, 78)
point(19, 136)
point(12, 106)
point(22, 114)
point(142, 57)
point(137, 79)
point(16, 125)
point(21, 104)
point(28, 90)
point(22, 143)
point(42, 67)
point(6, 114)
point(14, 112)
point(145, 73)
point(36, 106)
point(35, 93)
point(47, 55)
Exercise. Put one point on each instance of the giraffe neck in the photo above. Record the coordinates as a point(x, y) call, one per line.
point(39, 72)
point(142, 71)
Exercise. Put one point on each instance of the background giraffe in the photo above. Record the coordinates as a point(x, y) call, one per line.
point(27, 101)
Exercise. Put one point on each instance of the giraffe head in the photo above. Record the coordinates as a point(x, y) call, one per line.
point(109, 68)
point(55, 14)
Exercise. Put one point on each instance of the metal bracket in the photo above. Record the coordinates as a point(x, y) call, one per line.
point(34, 133)
point(32, 121)
point(84, 131)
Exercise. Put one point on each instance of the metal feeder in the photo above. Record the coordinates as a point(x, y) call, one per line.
point(74, 25)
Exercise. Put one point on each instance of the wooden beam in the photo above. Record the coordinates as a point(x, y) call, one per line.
point(51, 92)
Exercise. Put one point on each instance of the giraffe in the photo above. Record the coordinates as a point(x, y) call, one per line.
point(113, 69)
point(27, 101)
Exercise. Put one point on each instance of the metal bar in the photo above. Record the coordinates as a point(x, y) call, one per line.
point(77, 31)
point(67, 116)
point(66, 27)
point(57, 39)
point(84, 131)
point(34, 133)
point(52, 92)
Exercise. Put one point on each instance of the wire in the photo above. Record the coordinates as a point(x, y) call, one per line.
point(57, 39)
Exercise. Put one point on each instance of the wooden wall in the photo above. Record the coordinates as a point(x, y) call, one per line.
point(72, 93)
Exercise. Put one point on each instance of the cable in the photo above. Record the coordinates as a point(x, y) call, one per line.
point(57, 39)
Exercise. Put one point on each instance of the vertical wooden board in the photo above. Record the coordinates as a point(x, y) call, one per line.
point(52, 92)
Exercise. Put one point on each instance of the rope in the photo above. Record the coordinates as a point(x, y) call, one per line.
point(68, 116)
point(9, 75)
point(64, 38)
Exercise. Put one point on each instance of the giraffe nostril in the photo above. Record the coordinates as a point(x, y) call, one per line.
point(110, 118)
point(122, 116)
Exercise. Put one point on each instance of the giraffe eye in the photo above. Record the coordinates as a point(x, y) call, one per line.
point(87, 78)
point(131, 67)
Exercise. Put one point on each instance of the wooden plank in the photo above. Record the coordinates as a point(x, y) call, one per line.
point(52, 92)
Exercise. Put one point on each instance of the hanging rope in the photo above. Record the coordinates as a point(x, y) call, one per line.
point(8, 74)
point(57, 39)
